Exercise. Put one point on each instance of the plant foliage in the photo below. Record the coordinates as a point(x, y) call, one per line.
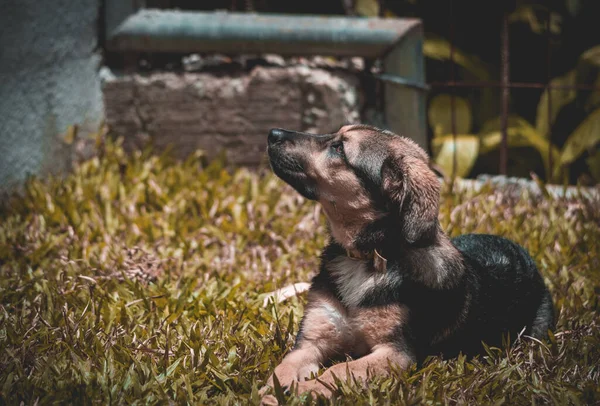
point(455, 148)
point(140, 280)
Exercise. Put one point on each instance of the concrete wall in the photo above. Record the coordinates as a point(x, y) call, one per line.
point(231, 113)
point(48, 81)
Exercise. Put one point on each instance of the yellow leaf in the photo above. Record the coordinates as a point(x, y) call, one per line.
point(440, 117)
point(70, 135)
point(466, 149)
point(439, 48)
point(559, 98)
point(585, 136)
point(590, 59)
point(495, 124)
point(593, 100)
point(591, 56)
point(490, 142)
point(530, 14)
point(593, 163)
point(520, 134)
point(369, 8)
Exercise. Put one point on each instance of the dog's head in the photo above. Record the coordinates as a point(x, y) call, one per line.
point(372, 184)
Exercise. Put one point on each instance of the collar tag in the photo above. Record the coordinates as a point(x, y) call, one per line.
point(379, 262)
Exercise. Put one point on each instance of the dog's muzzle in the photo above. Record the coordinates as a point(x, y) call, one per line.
point(286, 164)
point(279, 135)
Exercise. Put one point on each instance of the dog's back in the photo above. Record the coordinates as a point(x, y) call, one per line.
point(508, 293)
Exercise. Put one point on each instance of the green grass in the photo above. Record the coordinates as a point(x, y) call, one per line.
point(140, 280)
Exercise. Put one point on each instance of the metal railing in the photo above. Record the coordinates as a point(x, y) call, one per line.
point(505, 84)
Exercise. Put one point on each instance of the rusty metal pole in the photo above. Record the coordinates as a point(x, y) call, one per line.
point(505, 69)
point(452, 94)
point(549, 78)
point(512, 85)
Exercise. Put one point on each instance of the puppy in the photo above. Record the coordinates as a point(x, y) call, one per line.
point(392, 287)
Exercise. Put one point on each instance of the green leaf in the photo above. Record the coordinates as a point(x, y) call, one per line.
point(367, 8)
point(593, 163)
point(559, 98)
point(583, 138)
point(585, 73)
point(520, 134)
point(439, 48)
point(590, 60)
point(279, 395)
point(591, 56)
point(593, 100)
point(536, 17)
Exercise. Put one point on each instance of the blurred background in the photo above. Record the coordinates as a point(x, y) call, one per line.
point(488, 87)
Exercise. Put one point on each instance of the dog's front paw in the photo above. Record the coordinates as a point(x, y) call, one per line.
point(288, 374)
point(285, 378)
point(314, 387)
point(268, 400)
point(304, 389)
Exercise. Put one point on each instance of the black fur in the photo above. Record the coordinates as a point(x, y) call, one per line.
point(500, 294)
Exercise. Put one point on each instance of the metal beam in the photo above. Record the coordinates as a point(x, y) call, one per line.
point(397, 41)
point(180, 31)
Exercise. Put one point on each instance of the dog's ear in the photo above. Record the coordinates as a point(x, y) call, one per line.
point(413, 193)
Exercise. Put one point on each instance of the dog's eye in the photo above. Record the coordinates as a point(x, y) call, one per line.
point(338, 147)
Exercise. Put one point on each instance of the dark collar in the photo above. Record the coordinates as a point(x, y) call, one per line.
point(379, 262)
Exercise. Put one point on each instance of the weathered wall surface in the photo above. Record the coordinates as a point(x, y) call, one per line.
point(210, 112)
point(48, 81)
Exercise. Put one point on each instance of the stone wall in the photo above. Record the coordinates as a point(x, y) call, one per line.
point(214, 112)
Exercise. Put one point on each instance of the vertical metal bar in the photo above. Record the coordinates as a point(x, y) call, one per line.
point(404, 107)
point(452, 93)
point(505, 69)
point(381, 4)
point(549, 78)
point(116, 11)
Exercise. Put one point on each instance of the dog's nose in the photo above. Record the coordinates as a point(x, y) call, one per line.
point(277, 135)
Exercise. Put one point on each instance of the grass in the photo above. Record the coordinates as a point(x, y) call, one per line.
point(140, 280)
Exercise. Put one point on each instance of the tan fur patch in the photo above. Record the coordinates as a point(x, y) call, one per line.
point(326, 326)
point(354, 278)
point(378, 362)
point(402, 146)
point(346, 204)
point(432, 262)
point(413, 186)
point(353, 140)
point(379, 325)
